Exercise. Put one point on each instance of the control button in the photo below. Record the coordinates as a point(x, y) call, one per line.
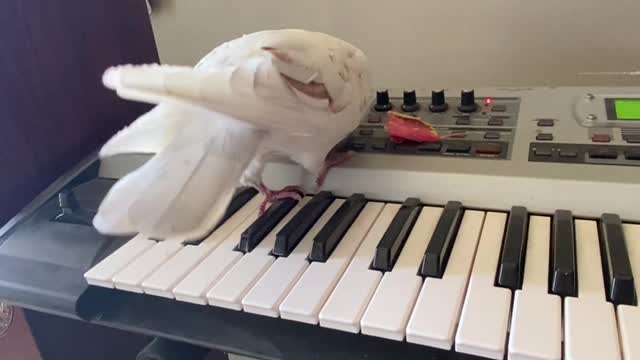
point(546, 122)
point(357, 144)
point(467, 101)
point(568, 154)
point(633, 139)
point(379, 145)
point(492, 135)
point(600, 138)
point(458, 148)
point(366, 132)
point(404, 148)
point(438, 102)
point(632, 154)
point(603, 154)
point(544, 137)
point(382, 101)
point(489, 149)
point(409, 101)
point(542, 152)
point(458, 134)
point(465, 120)
point(430, 147)
point(499, 108)
point(374, 119)
point(495, 122)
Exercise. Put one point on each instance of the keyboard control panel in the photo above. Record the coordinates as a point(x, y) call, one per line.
point(571, 127)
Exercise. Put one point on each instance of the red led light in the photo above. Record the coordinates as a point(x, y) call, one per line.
point(488, 101)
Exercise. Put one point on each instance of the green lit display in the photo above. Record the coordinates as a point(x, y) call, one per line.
point(627, 109)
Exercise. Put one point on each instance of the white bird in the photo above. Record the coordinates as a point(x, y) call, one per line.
point(286, 93)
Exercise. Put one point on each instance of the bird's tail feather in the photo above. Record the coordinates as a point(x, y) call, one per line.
point(234, 91)
point(184, 190)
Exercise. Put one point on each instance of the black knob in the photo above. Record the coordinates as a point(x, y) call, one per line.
point(409, 101)
point(438, 102)
point(467, 101)
point(382, 101)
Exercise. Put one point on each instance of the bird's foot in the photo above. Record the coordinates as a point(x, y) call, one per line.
point(270, 196)
point(334, 159)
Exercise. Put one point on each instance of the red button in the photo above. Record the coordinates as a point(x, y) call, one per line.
point(600, 138)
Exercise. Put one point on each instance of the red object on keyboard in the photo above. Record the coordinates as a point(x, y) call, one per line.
point(403, 127)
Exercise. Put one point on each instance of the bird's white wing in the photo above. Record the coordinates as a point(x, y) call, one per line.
point(152, 131)
point(184, 189)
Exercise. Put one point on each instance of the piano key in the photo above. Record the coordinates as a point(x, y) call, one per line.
point(326, 241)
point(269, 292)
point(308, 295)
point(163, 280)
point(194, 286)
point(389, 247)
point(618, 276)
point(102, 273)
point(290, 235)
point(239, 200)
point(388, 312)
point(629, 316)
point(589, 324)
point(485, 314)
point(346, 305)
point(511, 266)
point(439, 249)
point(435, 317)
point(255, 233)
point(130, 278)
point(239, 279)
point(563, 252)
point(536, 323)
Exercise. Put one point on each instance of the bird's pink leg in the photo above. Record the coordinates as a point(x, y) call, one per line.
point(292, 191)
point(334, 158)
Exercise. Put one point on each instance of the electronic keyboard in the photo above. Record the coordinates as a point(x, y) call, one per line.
point(515, 237)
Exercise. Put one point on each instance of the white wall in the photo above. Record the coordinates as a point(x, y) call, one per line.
point(446, 43)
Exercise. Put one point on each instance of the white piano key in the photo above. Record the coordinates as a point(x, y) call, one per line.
point(388, 312)
point(102, 273)
point(162, 281)
point(629, 316)
point(536, 323)
point(485, 314)
point(193, 288)
point(267, 295)
point(346, 305)
point(309, 294)
point(590, 323)
point(435, 317)
point(130, 278)
point(236, 282)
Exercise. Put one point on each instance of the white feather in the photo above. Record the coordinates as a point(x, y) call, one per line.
point(218, 123)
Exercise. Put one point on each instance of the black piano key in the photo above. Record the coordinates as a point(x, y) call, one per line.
point(396, 235)
point(329, 236)
point(564, 277)
point(291, 234)
point(618, 277)
point(514, 246)
point(257, 231)
point(240, 198)
point(434, 261)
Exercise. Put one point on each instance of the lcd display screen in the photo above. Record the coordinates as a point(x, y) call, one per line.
point(627, 109)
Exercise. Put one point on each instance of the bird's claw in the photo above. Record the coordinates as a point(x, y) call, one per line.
point(270, 196)
point(333, 159)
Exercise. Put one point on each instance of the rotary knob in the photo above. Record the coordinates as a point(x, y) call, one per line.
point(409, 101)
point(382, 101)
point(438, 102)
point(467, 101)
